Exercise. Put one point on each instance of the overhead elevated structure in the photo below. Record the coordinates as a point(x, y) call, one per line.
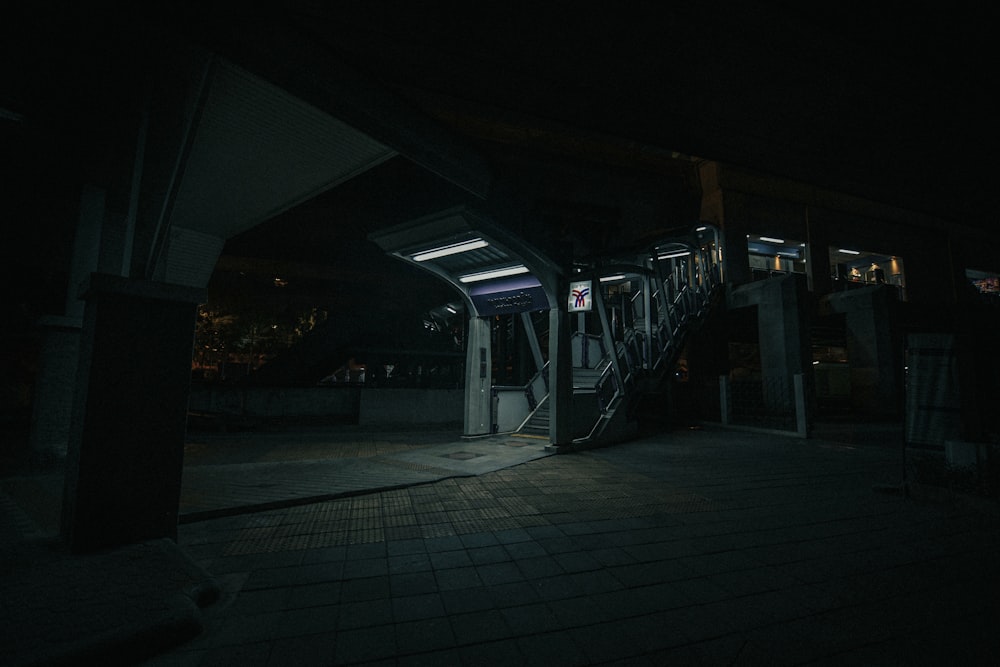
point(627, 338)
point(614, 329)
point(496, 273)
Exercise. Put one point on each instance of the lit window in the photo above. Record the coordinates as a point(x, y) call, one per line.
point(856, 267)
point(771, 255)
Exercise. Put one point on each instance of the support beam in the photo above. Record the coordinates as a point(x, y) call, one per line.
point(123, 467)
point(478, 380)
point(560, 379)
point(52, 402)
point(536, 349)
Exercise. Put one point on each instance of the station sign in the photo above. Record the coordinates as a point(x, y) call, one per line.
point(514, 295)
point(580, 296)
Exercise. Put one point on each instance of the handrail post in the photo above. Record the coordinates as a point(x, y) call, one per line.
point(801, 418)
point(725, 400)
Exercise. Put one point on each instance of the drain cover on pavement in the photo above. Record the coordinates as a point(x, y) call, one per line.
point(462, 456)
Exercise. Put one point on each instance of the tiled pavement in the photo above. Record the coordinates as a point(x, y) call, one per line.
point(225, 474)
point(692, 547)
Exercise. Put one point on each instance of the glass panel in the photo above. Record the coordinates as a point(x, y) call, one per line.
point(774, 256)
point(854, 267)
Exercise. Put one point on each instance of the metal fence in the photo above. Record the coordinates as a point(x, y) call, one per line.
point(778, 404)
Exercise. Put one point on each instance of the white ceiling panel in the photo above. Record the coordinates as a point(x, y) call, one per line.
point(259, 151)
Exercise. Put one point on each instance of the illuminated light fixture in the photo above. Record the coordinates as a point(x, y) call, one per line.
point(672, 255)
point(495, 273)
point(452, 249)
point(787, 253)
point(771, 239)
point(450, 310)
point(608, 279)
point(849, 252)
point(700, 229)
point(815, 363)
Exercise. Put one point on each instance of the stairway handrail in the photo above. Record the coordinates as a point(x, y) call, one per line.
point(534, 402)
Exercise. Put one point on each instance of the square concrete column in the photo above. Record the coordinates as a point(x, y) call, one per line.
point(784, 339)
point(478, 378)
point(560, 379)
point(126, 446)
point(874, 348)
point(735, 255)
point(781, 333)
point(52, 409)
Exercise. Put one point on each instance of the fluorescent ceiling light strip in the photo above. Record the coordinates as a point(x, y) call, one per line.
point(849, 252)
point(450, 310)
point(672, 255)
point(788, 253)
point(700, 229)
point(607, 279)
point(495, 273)
point(452, 249)
point(770, 239)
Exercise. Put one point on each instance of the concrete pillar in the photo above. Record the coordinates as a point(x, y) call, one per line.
point(560, 379)
point(736, 258)
point(52, 404)
point(817, 255)
point(478, 384)
point(784, 341)
point(873, 348)
point(725, 400)
point(123, 466)
point(782, 334)
point(801, 405)
point(870, 341)
point(55, 382)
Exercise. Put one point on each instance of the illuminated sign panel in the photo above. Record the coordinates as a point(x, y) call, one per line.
point(513, 295)
point(580, 296)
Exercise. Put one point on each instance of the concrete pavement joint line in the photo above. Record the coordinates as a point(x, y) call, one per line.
point(595, 559)
point(449, 523)
point(245, 495)
point(205, 515)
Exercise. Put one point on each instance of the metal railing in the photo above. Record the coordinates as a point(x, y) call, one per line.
point(776, 404)
point(514, 405)
point(678, 288)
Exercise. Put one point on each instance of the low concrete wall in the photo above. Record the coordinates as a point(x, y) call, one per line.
point(354, 404)
point(411, 406)
point(333, 402)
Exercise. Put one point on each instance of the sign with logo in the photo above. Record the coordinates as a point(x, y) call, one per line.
point(514, 295)
point(580, 298)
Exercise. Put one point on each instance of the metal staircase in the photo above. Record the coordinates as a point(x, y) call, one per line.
point(537, 423)
point(670, 293)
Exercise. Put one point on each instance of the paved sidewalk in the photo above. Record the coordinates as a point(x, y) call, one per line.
point(117, 606)
point(706, 547)
point(695, 547)
point(234, 474)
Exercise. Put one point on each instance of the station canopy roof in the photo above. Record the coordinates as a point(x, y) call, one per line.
point(466, 249)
